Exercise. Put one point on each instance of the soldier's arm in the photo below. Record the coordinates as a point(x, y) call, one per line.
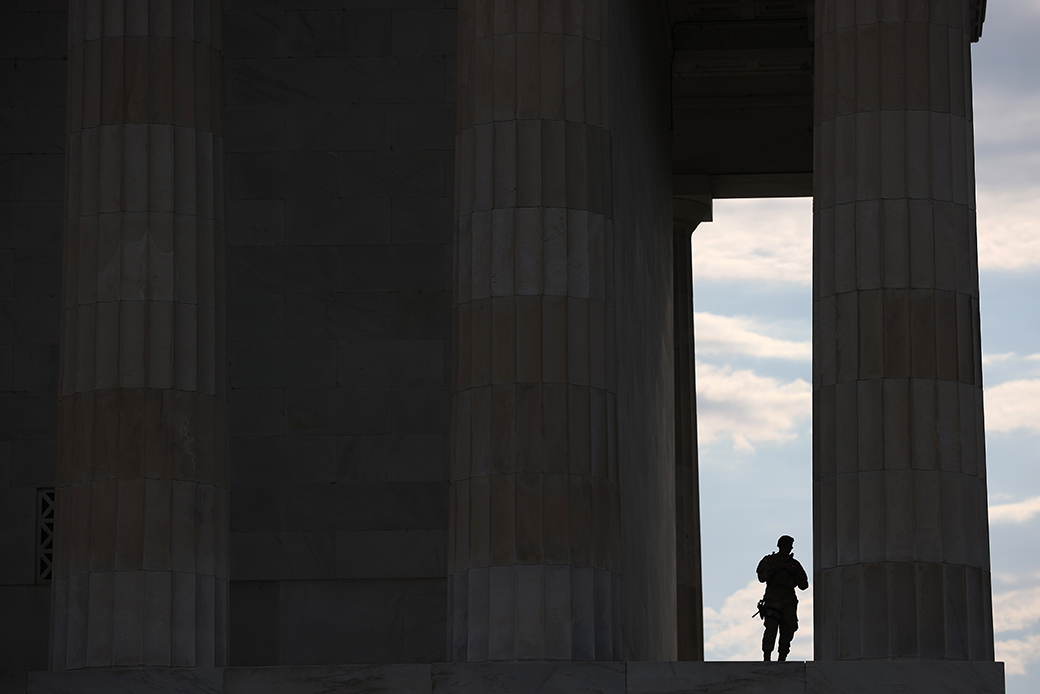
point(803, 581)
point(763, 570)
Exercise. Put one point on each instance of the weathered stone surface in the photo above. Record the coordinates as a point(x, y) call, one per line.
point(335, 679)
point(320, 619)
point(153, 680)
point(528, 678)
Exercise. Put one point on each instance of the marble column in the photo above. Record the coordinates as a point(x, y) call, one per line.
point(688, 587)
point(140, 565)
point(899, 482)
point(534, 542)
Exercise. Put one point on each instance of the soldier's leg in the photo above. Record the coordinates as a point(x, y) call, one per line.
point(788, 625)
point(769, 638)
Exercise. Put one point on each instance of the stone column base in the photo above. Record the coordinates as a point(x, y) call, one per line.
point(859, 677)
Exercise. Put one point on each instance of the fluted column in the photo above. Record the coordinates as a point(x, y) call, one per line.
point(534, 543)
point(899, 482)
point(141, 528)
point(689, 602)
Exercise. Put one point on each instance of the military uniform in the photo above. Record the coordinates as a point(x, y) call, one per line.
point(781, 573)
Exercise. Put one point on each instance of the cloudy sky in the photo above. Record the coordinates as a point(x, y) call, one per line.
point(752, 270)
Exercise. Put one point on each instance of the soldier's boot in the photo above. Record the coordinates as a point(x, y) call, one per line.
point(781, 657)
point(767, 656)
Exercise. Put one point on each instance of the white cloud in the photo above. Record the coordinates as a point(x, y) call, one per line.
point(1016, 610)
point(997, 358)
point(748, 408)
point(1017, 512)
point(757, 240)
point(737, 335)
point(1009, 227)
point(730, 633)
point(1017, 653)
point(1014, 405)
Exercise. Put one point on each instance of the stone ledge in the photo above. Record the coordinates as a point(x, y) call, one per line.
point(863, 677)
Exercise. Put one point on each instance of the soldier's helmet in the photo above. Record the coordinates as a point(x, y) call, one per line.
point(785, 541)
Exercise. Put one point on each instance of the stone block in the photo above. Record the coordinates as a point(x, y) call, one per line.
point(422, 220)
point(37, 627)
point(392, 80)
point(252, 623)
point(32, 463)
point(421, 410)
point(752, 678)
point(19, 553)
point(254, 128)
point(341, 316)
point(32, 177)
point(335, 127)
point(27, 319)
point(153, 680)
point(35, 367)
point(281, 556)
point(40, 82)
point(33, 35)
point(422, 315)
point(364, 506)
point(12, 627)
point(27, 415)
point(6, 376)
point(32, 130)
point(424, 126)
point(255, 317)
point(254, 34)
point(284, 175)
point(411, 457)
point(392, 362)
point(255, 507)
point(13, 682)
point(265, 270)
point(391, 554)
point(425, 32)
point(949, 677)
point(395, 268)
point(283, 459)
point(37, 271)
point(255, 411)
point(255, 222)
point(337, 621)
point(337, 222)
point(422, 174)
point(361, 32)
point(6, 272)
point(5, 464)
point(280, 80)
point(528, 678)
point(331, 679)
point(30, 224)
point(299, 363)
point(337, 410)
point(7, 81)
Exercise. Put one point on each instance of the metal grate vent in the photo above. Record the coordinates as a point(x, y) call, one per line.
point(44, 535)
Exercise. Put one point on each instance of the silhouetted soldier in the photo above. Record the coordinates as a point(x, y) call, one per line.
point(781, 572)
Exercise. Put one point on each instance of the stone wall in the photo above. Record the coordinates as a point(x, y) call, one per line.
point(645, 359)
point(32, 166)
point(340, 127)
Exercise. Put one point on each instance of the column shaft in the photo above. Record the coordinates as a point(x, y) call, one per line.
point(140, 566)
point(534, 543)
point(899, 484)
point(688, 587)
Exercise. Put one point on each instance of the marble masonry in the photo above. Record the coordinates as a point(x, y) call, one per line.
point(348, 345)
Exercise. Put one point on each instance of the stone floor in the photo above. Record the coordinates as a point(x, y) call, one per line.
point(530, 678)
